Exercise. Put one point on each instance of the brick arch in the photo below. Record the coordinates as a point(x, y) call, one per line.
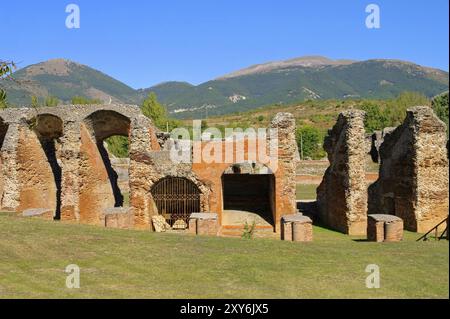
point(40, 174)
point(105, 123)
point(99, 181)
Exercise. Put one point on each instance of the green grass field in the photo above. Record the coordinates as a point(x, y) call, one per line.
point(306, 191)
point(139, 264)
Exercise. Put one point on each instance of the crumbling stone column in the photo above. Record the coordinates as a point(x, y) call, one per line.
point(285, 171)
point(413, 181)
point(342, 195)
point(9, 169)
point(140, 171)
point(70, 180)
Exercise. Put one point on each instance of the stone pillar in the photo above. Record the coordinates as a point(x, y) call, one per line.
point(384, 228)
point(140, 171)
point(9, 169)
point(70, 163)
point(296, 228)
point(342, 195)
point(285, 168)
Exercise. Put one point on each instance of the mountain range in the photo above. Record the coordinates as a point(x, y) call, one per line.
point(279, 82)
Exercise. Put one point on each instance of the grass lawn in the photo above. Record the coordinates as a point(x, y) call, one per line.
point(306, 191)
point(139, 264)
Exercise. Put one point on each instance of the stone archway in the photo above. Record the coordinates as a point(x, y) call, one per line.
point(176, 198)
point(99, 181)
point(40, 171)
point(248, 191)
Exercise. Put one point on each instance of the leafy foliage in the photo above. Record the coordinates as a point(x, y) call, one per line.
point(51, 101)
point(249, 230)
point(440, 107)
point(309, 142)
point(390, 113)
point(6, 69)
point(377, 117)
point(118, 146)
point(152, 109)
point(157, 112)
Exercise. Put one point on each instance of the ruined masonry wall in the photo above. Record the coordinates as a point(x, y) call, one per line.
point(413, 181)
point(342, 195)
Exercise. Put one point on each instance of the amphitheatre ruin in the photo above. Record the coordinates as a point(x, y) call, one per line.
point(54, 165)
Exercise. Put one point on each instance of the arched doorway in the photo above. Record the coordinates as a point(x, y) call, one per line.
point(176, 198)
point(100, 182)
point(49, 129)
point(248, 191)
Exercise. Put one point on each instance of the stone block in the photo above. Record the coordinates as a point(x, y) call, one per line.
point(296, 228)
point(122, 218)
point(204, 224)
point(159, 224)
point(384, 228)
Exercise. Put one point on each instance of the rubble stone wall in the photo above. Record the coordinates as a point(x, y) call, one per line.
point(342, 195)
point(413, 181)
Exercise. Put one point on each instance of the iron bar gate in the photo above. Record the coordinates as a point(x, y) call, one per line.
point(176, 198)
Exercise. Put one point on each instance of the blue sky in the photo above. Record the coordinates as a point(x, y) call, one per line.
point(143, 43)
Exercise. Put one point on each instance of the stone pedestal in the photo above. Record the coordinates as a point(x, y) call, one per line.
point(119, 217)
point(204, 224)
point(296, 228)
point(384, 228)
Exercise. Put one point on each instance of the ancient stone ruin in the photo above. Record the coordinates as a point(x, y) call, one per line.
point(413, 181)
point(413, 176)
point(342, 195)
point(54, 164)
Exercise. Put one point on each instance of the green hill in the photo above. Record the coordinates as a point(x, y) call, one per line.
point(65, 79)
point(378, 79)
point(279, 83)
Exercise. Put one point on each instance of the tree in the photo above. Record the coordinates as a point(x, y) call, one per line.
point(308, 141)
point(376, 116)
point(397, 107)
point(118, 146)
point(152, 109)
point(440, 107)
point(6, 69)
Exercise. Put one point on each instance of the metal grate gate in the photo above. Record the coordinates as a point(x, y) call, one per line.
point(176, 198)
